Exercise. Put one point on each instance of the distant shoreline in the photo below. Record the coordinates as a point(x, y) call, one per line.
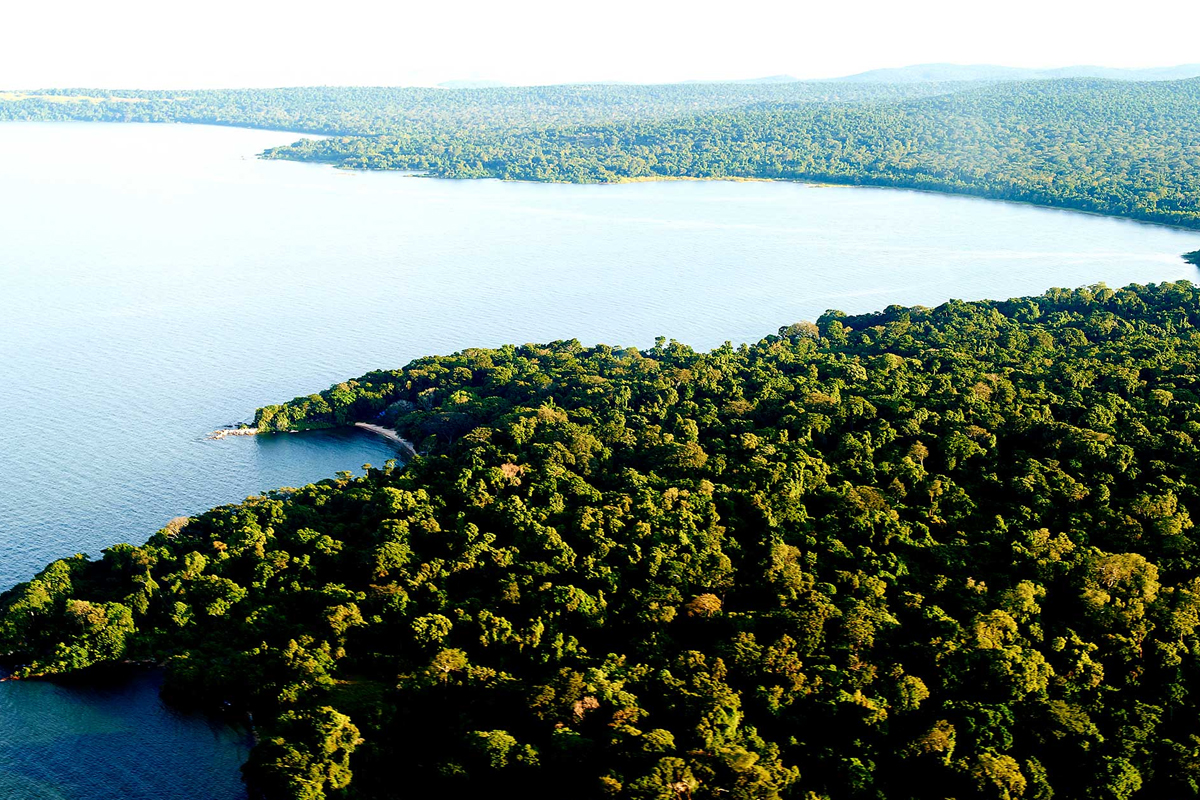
point(814, 182)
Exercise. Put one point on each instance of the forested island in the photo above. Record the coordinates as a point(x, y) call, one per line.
point(923, 553)
point(1123, 148)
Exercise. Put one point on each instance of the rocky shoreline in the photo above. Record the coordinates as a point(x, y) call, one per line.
point(223, 432)
point(385, 432)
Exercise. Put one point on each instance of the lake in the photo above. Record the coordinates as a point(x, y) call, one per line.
point(159, 281)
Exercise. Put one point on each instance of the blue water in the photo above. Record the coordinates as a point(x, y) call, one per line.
point(112, 740)
point(157, 282)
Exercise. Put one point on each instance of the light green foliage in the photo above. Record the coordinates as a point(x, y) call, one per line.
point(309, 755)
point(499, 749)
point(90, 633)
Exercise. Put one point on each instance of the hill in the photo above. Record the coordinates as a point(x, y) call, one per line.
point(922, 73)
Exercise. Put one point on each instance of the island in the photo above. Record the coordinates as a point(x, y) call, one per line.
point(921, 553)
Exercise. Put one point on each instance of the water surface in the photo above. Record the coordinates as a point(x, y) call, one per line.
point(158, 281)
point(113, 739)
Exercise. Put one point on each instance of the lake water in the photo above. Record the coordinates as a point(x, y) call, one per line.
point(114, 739)
point(157, 282)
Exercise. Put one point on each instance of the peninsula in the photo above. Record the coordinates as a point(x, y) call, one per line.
point(1115, 147)
point(921, 553)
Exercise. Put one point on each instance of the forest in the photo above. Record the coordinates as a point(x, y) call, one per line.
point(911, 555)
point(1129, 149)
point(371, 111)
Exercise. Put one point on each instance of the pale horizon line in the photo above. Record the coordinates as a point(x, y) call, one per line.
point(484, 83)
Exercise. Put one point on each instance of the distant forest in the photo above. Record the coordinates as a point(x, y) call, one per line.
point(1128, 149)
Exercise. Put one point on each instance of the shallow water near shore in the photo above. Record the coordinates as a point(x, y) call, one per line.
point(112, 737)
point(158, 282)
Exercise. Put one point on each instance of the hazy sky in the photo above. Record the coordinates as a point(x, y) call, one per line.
point(224, 43)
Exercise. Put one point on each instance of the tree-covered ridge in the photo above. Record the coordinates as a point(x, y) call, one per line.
point(1130, 149)
point(925, 553)
point(1126, 149)
point(367, 110)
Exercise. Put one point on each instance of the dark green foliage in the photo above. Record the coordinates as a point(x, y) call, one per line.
point(1192, 258)
point(309, 754)
point(919, 554)
point(66, 633)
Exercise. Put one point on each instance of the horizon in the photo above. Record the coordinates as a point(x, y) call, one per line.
point(486, 83)
point(537, 43)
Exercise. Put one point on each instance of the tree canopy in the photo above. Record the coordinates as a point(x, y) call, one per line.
point(917, 554)
point(1122, 148)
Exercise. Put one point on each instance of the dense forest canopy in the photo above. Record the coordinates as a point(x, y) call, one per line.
point(924, 553)
point(367, 111)
point(1114, 147)
point(1131, 150)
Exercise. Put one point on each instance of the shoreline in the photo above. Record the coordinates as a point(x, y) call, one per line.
point(823, 182)
point(380, 430)
point(816, 182)
point(390, 434)
point(224, 432)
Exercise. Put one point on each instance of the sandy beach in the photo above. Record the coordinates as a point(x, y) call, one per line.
point(389, 433)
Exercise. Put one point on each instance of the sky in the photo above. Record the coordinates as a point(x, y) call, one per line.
point(254, 43)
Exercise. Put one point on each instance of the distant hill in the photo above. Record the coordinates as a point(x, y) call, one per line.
point(921, 73)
